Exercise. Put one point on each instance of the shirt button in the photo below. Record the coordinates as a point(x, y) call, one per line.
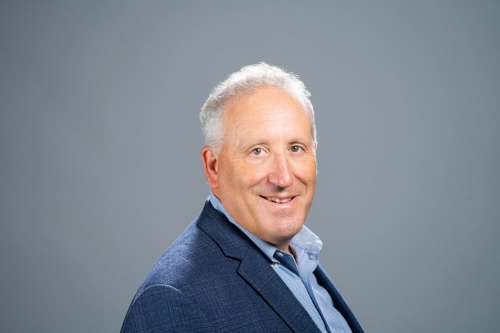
point(274, 264)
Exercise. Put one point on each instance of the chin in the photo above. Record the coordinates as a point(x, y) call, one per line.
point(286, 230)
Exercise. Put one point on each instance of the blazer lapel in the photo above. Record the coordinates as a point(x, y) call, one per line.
point(256, 270)
point(338, 300)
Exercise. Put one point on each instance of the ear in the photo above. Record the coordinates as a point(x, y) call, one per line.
point(210, 166)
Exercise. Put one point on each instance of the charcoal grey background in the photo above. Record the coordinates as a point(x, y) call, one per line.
point(100, 141)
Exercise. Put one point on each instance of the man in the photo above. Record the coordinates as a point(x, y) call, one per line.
point(247, 263)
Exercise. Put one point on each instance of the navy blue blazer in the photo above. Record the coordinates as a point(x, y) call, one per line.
point(214, 279)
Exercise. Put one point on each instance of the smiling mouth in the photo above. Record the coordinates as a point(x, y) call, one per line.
point(278, 200)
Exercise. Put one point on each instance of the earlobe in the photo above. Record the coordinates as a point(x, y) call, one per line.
point(210, 166)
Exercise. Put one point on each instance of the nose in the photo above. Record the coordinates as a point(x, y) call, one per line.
point(281, 174)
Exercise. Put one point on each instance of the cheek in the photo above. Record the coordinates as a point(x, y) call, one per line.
point(306, 171)
point(251, 175)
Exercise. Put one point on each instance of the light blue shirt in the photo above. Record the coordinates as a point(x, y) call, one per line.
point(298, 275)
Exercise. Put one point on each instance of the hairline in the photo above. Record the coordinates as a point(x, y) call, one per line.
point(248, 91)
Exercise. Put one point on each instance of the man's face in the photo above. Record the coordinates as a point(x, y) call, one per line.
point(266, 168)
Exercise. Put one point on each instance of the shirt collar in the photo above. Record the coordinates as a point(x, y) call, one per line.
point(305, 244)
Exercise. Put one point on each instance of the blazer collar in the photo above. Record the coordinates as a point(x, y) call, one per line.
point(255, 269)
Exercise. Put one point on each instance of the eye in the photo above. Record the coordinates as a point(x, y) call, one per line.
point(296, 149)
point(257, 151)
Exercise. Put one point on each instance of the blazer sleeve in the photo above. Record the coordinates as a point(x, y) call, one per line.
point(161, 308)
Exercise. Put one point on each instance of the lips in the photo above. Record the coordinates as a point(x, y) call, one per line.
point(278, 200)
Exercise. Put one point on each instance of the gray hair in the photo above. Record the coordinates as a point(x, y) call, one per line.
point(246, 81)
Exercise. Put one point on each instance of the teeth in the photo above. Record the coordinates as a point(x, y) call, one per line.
point(279, 200)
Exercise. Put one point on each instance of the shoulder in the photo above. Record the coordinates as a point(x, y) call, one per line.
point(207, 249)
point(183, 262)
point(144, 315)
point(170, 299)
point(196, 285)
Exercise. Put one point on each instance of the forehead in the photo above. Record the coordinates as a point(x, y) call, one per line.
point(262, 110)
